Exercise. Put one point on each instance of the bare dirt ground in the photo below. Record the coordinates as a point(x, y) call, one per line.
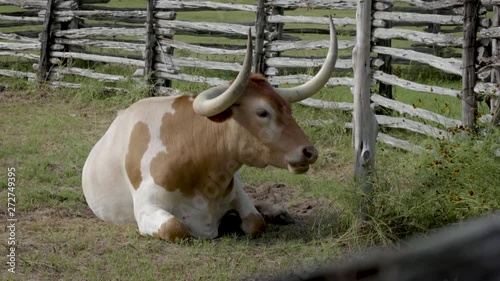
point(285, 197)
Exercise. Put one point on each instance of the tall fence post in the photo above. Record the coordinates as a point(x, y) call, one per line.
point(495, 72)
point(365, 124)
point(386, 89)
point(469, 102)
point(45, 40)
point(260, 24)
point(436, 28)
point(150, 53)
point(72, 24)
point(274, 31)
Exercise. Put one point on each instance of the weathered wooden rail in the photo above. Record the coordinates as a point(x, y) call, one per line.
point(151, 41)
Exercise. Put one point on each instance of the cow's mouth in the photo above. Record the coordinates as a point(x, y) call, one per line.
point(298, 168)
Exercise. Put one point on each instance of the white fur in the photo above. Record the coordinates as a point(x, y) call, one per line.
point(112, 197)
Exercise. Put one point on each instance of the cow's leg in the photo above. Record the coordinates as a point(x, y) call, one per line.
point(252, 223)
point(152, 219)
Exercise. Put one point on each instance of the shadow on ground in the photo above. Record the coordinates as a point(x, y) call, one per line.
point(313, 217)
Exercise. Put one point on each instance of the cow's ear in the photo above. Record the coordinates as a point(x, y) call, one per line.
point(223, 116)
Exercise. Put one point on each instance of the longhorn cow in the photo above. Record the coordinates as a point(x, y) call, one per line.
point(170, 164)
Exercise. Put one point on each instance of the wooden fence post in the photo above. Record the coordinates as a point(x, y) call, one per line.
point(385, 90)
point(45, 40)
point(469, 103)
point(150, 54)
point(436, 28)
point(260, 24)
point(365, 124)
point(73, 24)
point(495, 72)
point(274, 31)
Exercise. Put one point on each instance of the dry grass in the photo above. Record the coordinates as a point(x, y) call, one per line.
point(47, 138)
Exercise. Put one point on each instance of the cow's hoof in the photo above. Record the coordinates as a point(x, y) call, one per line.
point(172, 230)
point(253, 224)
point(273, 214)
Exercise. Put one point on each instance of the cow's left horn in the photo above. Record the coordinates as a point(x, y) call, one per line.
point(217, 99)
point(317, 82)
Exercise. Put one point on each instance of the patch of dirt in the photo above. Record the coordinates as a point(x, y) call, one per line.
point(55, 168)
point(286, 198)
point(11, 97)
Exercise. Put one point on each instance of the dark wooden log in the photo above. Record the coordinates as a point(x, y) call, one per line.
point(469, 103)
point(43, 71)
point(467, 251)
point(260, 24)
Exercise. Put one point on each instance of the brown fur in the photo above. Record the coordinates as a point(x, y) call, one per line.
point(138, 144)
point(229, 188)
point(173, 229)
point(259, 84)
point(291, 136)
point(195, 148)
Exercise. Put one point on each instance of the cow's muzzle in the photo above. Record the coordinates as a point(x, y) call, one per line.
point(299, 160)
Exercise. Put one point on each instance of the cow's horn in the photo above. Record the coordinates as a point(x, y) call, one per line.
point(317, 82)
point(217, 99)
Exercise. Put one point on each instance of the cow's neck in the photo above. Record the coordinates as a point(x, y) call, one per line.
point(216, 162)
point(201, 157)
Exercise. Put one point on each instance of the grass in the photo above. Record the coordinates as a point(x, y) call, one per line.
point(47, 138)
point(47, 135)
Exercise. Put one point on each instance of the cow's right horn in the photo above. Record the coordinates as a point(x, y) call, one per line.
point(217, 99)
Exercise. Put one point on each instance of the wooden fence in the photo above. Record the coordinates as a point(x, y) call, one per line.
point(157, 43)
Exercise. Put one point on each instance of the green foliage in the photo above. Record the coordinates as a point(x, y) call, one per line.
point(424, 74)
point(451, 181)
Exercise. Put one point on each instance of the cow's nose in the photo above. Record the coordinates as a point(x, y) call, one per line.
point(310, 153)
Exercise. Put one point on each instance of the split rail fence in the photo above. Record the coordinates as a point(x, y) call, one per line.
point(55, 41)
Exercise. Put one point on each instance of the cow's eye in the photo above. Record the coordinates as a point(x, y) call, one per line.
point(263, 113)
